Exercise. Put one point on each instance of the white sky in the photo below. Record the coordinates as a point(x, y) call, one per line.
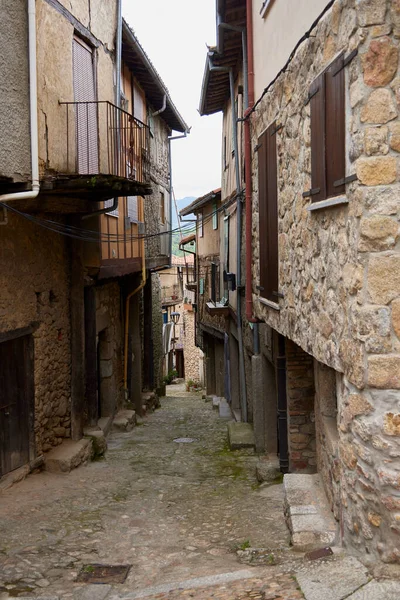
point(174, 34)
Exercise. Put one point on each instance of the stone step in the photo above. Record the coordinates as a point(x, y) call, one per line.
point(68, 456)
point(96, 434)
point(124, 420)
point(215, 401)
point(224, 409)
point(240, 435)
point(307, 512)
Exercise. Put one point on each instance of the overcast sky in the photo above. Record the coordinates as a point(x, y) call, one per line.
point(174, 34)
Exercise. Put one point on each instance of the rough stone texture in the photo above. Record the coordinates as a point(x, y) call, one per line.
point(379, 107)
point(380, 62)
point(395, 136)
point(14, 92)
point(377, 590)
point(124, 420)
point(99, 442)
point(68, 456)
point(192, 354)
point(157, 322)
point(339, 268)
point(240, 435)
point(35, 288)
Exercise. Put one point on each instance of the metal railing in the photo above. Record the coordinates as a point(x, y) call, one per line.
point(104, 139)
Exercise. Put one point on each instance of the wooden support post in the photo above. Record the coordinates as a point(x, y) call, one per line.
point(77, 336)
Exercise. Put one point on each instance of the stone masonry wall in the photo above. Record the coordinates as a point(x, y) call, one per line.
point(109, 321)
point(34, 282)
point(340, 267)
point(157, 330)
point(300, 403)
point(191, 352)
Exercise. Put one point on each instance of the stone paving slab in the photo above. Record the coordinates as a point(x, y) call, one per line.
point(378, 590)
point(332, 579)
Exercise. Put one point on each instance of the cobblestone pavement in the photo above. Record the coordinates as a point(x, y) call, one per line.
point(174, 511)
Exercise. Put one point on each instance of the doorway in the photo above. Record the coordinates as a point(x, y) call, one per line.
point(180, 363)
point(16, 402)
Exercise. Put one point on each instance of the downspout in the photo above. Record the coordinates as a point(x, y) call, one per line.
point(247, 162)
point(242, 373)
point(33, 112)
point(164, 106)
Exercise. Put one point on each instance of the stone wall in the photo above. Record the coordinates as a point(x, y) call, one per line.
point(340, 267)
point(190, 351)
point(110, 340)
point(14, 92)
point(157, 321)
point(300, 408)
point(34, 282)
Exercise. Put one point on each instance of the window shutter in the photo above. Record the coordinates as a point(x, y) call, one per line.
point(214, 216)
point(335, 127)
point(262, 207)
point(317, 102)
point(272, 212)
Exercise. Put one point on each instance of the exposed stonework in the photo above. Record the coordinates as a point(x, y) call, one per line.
point(340, 267)
point(35, 288)
point(192, 354)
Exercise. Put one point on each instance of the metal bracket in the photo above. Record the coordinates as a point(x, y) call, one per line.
point(312, 192)
point(311, 95)
point(277, 128)
point(278, 294)
point(256, 148)
point(346, 61)
point(344, 180)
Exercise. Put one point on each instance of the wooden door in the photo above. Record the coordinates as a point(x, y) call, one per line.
point(16, 402)
point(87, 143)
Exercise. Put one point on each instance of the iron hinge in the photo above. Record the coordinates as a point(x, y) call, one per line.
point(344, 180)
point(277, 128)
point(278, 294)
point(256, 148)
point(259, 287)
point(310, 95)
point(346, 61)
point(312, 192)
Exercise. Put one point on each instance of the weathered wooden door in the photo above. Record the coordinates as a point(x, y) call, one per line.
point(16, 402)
point(87, 143)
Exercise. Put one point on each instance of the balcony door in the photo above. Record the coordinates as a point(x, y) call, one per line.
point(87, 143)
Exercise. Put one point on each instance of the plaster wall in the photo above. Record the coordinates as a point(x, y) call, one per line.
point(276, 34)
point(14, 92)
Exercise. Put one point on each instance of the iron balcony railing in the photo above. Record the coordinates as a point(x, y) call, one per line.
point(104, 139)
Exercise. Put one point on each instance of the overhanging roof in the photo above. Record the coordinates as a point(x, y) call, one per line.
point(143, 69)
point(200, 202)
point(227, 53)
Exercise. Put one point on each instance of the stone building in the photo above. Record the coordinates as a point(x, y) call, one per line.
point(75, 274)
point(177, 296)
point(320, 149)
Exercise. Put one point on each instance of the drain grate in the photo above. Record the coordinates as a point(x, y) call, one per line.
point(184, 440)
point(103, 573)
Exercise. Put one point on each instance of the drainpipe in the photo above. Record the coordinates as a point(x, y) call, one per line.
point(164, 106)
point(33, 112)
point(247, 162)
point(242, 374)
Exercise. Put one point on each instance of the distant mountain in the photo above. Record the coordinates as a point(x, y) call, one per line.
point(181, 203)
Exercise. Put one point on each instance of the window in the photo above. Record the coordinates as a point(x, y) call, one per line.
point(225, 165)
point(268, 211)
point(213, 282)
point(162, 207)
point(132, 206)
point(201, 287)
point(226, 254)
point(214, 215)
point(328, 133)
point(200, 224)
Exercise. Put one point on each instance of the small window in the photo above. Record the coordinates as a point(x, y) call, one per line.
point(162, 207)
point(200, 224)
point(215, 215)
point(327, 100)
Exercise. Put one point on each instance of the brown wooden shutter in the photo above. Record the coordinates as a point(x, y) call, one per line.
point(272, 209)
point(268, 198)
point(262, 207)
point(317, 102)
point(335, 127)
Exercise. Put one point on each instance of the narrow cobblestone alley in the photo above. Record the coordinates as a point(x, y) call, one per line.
point(174, 511)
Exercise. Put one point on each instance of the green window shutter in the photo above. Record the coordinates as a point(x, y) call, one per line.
point(214, 216)
point(201, 285)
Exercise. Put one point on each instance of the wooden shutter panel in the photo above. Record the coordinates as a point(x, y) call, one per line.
point(335, 127)
point(272, 211)
point(317, 102)
point(262, 208)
